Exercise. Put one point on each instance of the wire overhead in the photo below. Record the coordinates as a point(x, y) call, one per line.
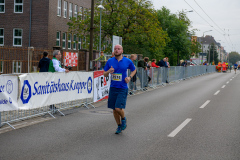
point(208, 16)
point(222, 34)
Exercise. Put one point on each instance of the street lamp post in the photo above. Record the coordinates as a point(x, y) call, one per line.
point(202, 43)
point(101, 8)
point(91, 35)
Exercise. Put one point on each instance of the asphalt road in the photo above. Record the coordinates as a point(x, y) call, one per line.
point(196, 119)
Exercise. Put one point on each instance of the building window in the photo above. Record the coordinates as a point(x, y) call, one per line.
point(79, 43)
point(2, 6)
point(18, 6)
point(75, 11)
point(69, 40)
point(70, 11)
point(59, 8)
point(65, 9)
point(1, 37)
point(58, 39)
point(17, 37)
point(1, 66)
point(80, 12)
point(74, 42)
point(17, 67)
point(64, 41)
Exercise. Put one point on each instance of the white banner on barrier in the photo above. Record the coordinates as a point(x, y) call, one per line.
point(8, 93)
point(41, 89)
point(101, 86)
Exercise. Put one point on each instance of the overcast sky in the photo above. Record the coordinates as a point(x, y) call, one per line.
point(222, 15)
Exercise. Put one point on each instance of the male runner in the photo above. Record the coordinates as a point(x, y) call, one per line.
point(235, 67)
point(117, 66)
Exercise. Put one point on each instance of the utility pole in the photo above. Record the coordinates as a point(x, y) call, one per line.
point(91, 35)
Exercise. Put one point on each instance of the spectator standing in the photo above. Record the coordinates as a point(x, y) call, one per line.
point(167, 69)
point(117, 66)
point(163, 63)
point(132, 83)
point(154, 63)
point(102, 60)
point(142, 64)
point(150, 71)
point(55, 66)
point(44, 63)
point(183, 64)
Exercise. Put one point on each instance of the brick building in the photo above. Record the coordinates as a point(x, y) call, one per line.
point(39, 23)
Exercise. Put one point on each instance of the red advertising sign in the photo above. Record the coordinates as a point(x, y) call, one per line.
point(70, 59)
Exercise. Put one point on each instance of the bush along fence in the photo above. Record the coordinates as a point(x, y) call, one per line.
point(23, 96)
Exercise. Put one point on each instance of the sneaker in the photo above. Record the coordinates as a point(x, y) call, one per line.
point(124, 124)
point(119, 130)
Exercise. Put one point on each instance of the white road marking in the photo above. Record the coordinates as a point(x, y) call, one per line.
point(216, 92)
point(230, 79)
point(223, 86)
point(227, 82)
point(205, 104)
point(179, 128)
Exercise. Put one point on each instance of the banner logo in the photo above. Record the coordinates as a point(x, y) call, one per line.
point(26, 93)
point(89, 85)
point(9, 86)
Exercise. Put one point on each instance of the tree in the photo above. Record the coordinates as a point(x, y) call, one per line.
point(196, 47)
point(177, 28)
point(134, 21)
point(213, 54)
point(234, 57)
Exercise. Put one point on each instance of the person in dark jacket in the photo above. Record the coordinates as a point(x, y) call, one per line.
point(163, 63)
point(44, 63)
point(142, 73)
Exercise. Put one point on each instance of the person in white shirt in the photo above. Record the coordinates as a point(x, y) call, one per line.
point(55, 64)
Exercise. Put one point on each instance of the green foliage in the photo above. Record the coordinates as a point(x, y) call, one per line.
point(135, 21)
point(180, 44)
point(196, 47)
point(213, 54)
point(234, 57)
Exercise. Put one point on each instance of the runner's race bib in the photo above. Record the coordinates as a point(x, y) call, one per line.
point(117, 76)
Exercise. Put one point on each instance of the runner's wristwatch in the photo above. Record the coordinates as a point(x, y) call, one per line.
point(130, 77)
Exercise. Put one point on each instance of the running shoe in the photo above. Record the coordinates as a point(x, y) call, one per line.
point(119, 130)
point(124, 123)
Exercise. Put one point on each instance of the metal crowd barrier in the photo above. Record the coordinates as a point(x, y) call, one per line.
point(8, 117)
point(152, 77)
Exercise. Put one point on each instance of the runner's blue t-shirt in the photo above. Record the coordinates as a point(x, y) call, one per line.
point(120, 71)
point(235, 65)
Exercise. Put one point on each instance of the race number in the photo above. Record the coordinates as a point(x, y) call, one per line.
point(117, 76)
